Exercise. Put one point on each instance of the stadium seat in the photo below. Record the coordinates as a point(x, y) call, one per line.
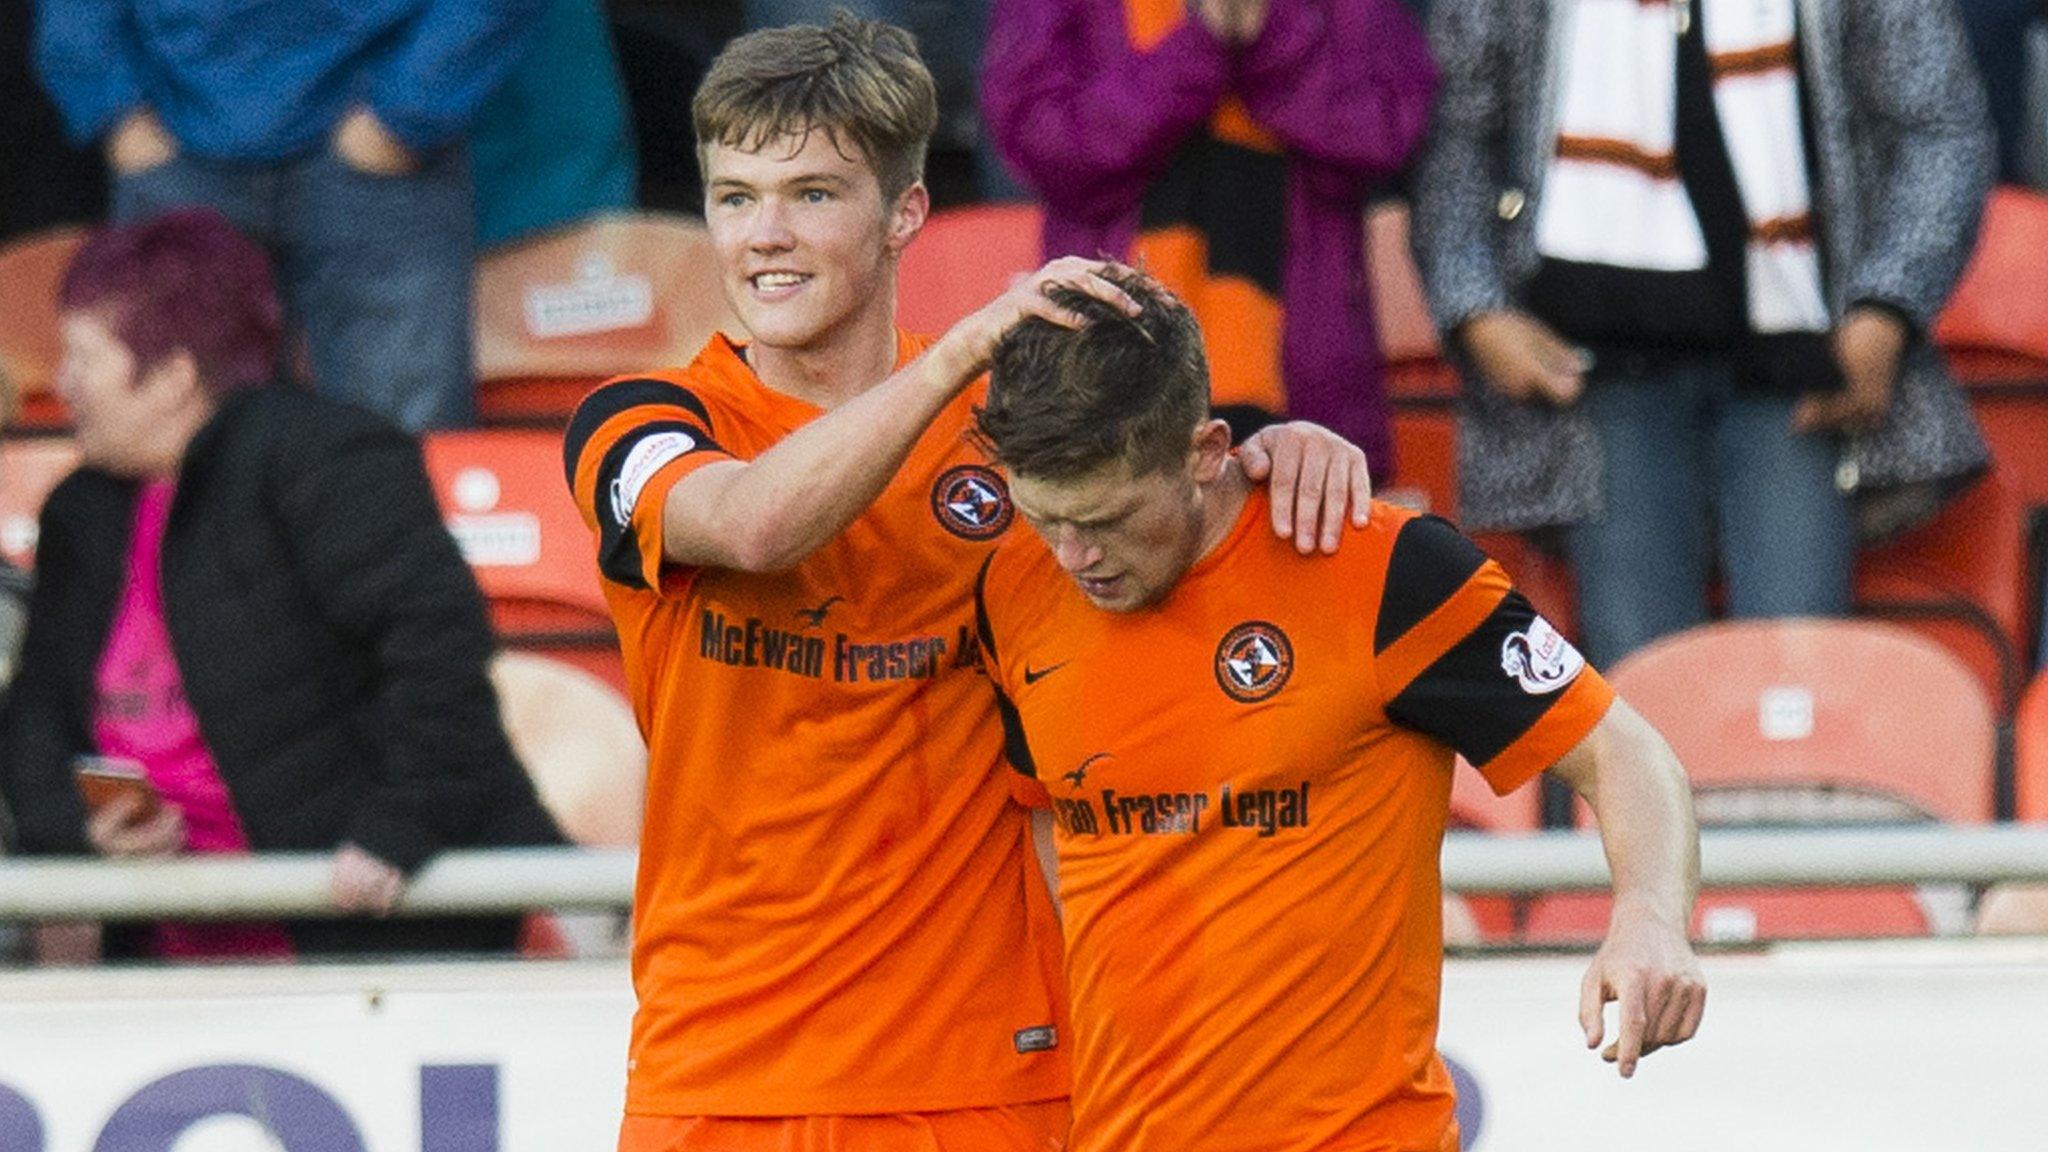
point(31, 269)
point(1809, 723)
point(1475, 808)
point(2014, 910)
point(501, 492)
point(1995, 326)
point(578, 742)
point(1416, 367)
point(29, 468)
point(2030, 754)
point(964, 258)
point(1425, 459)
point(557, 314)
point(1961, 580)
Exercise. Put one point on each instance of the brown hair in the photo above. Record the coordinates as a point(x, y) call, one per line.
point(1064, 402)
point(860, 81)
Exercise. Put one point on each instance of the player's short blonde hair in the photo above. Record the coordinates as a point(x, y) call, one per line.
point(859, 81)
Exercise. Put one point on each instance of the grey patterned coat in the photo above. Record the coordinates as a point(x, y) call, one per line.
point(1906, 160)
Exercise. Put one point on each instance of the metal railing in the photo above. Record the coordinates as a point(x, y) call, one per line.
point(516, 879)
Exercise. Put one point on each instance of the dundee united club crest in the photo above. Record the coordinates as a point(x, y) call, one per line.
point(972, 502)
point(1254, 661)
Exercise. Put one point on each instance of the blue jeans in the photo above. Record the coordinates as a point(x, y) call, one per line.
point(1689, 459)
point(374, 270)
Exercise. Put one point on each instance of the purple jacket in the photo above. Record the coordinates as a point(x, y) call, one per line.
point(1345, 85)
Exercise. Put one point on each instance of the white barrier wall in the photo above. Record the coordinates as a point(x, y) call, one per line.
point(1907, 1047)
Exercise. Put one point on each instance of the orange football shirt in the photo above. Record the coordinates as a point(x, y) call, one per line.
point(836, 909)
point(1250, 782)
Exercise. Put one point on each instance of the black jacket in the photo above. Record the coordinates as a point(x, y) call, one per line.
point(332, 642)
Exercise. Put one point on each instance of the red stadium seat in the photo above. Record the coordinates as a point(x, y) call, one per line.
point(1425, 459)
point(29, 468)
point(31, 269)
point(1996, 324)
point(2030, 753)
point(556, 315)
point(1961, 580)
point(502, 493)
point(1808, 723)
point(964, 258)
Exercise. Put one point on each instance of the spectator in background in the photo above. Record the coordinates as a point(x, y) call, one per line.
point(1671, 334)
point(553, 145)
point(248, 591)
point(333, 132)
point(1998, 39)
point(46, 182)
point(1227, 146)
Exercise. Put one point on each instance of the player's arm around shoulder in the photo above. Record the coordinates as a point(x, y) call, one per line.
point(1646, 965)
point(768, 513)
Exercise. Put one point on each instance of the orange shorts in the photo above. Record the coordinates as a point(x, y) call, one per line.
point(1036, 1127)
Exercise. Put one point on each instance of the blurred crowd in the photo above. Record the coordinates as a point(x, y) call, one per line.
point(1688, 273)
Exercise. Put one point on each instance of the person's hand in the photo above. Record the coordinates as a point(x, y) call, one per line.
point(971, 342)
point(1316, 477)
point(362, 883)
point(366, 145)
point(1646, 967)
point(140, 143)
point(1869, 344)
point(1523, 359)
point(122, 827)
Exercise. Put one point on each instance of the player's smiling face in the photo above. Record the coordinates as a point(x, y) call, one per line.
point(806, 242)
point(1125, 539)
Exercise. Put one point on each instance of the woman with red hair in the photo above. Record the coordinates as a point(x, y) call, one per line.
point(246, 597)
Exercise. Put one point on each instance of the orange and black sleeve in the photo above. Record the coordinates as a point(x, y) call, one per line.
point(1462, 656)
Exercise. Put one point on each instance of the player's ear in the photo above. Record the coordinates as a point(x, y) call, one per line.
point(1209, 451)
point(906, 218)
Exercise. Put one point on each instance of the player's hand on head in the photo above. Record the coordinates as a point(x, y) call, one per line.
point(973, 339)
point(1317, 479)
point(361, 883)
point(1647, 969)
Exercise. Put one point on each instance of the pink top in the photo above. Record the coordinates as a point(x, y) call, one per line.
point(141, 714)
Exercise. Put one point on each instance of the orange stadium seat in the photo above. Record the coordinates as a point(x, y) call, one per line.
point(31, 269)
point(1809, 723)
point(1962, 580)
point(1995, 326)
point(2022, 909)
point(557, 314)
point(1994, 333)
point(502, 494)
point(2030, 754)
point(1425, 459)
point(29, 468)
point(964, 258)
point(1416, 367)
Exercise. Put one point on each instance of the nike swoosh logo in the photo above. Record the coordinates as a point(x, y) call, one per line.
point(1034, 675)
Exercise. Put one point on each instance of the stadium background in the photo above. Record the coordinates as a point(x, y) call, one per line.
point(1896, 1016)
